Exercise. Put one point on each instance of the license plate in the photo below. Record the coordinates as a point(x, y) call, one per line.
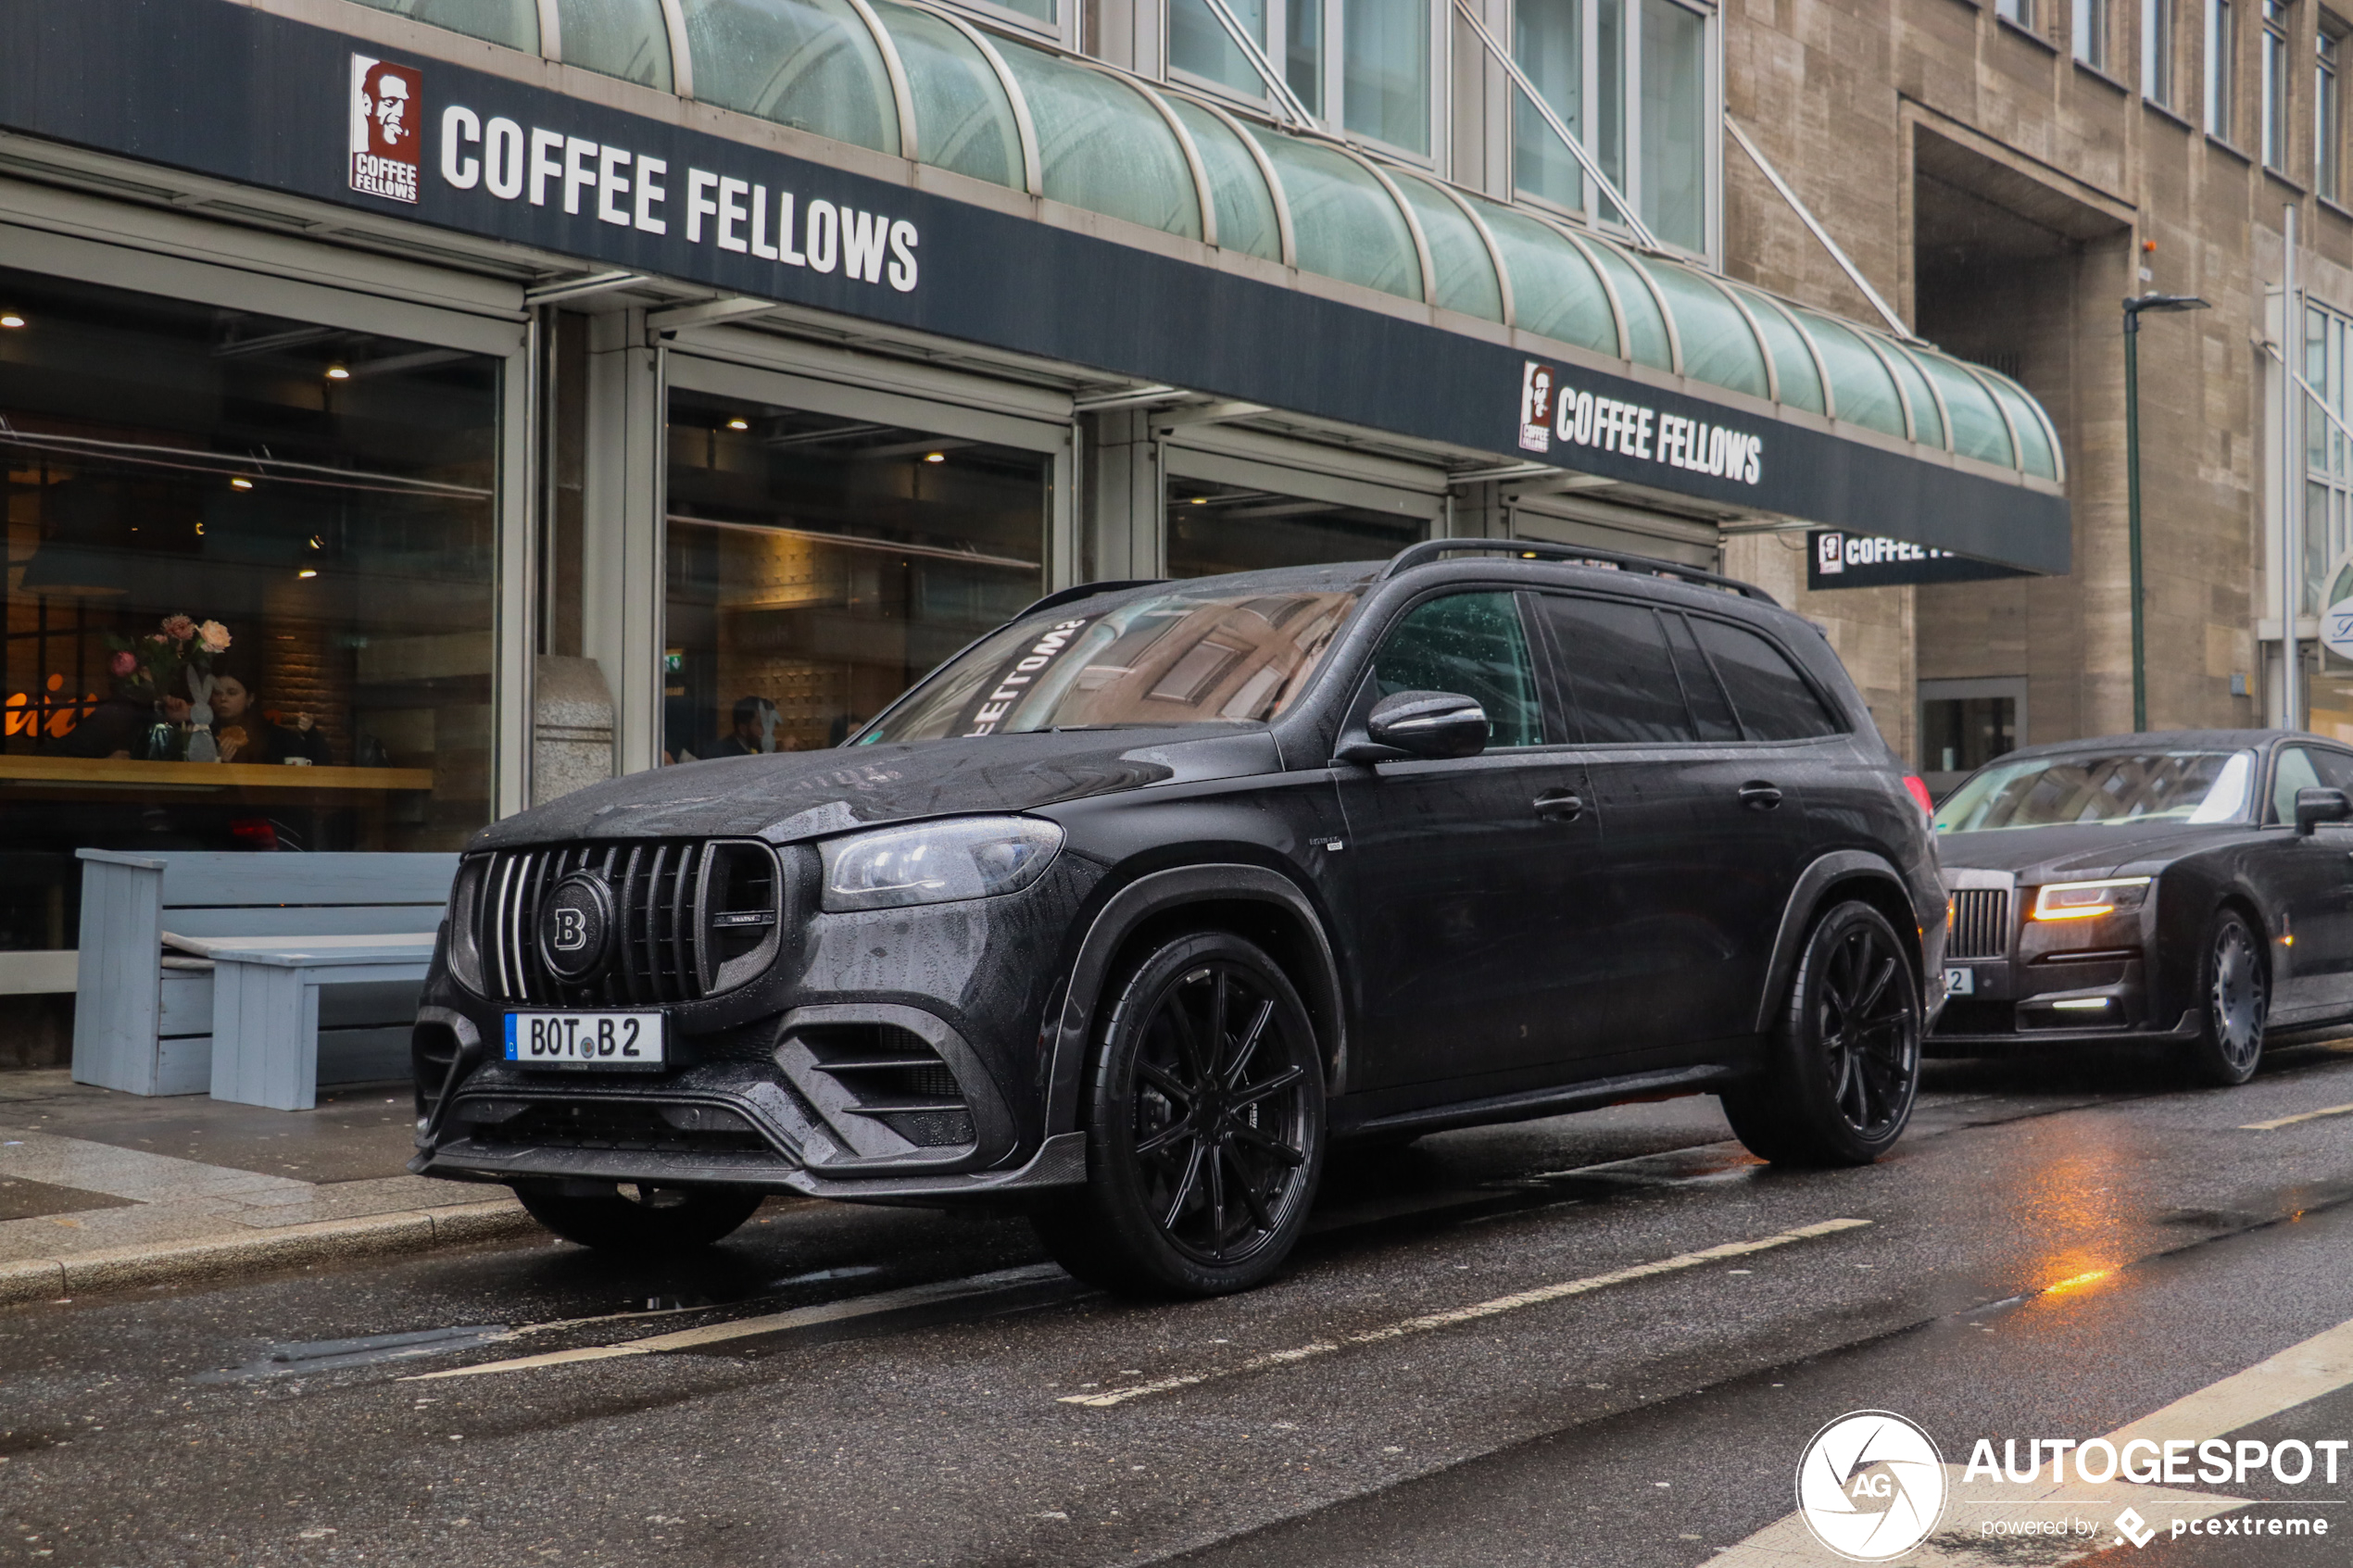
point(605, 1040)
point(1960, 982)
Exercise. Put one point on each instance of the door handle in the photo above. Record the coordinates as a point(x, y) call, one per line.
point(1560, 805)
point(1758, 796)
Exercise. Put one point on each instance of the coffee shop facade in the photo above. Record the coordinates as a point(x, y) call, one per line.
point(465, 402)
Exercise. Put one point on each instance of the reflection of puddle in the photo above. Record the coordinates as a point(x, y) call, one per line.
point(1704, 1165)
point(855, 1270)
point(330, 1355)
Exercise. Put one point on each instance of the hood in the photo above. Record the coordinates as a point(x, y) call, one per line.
point(2075, 850)
point(798, 795)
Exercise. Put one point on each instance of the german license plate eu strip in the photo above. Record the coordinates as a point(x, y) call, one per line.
point(605, 1042)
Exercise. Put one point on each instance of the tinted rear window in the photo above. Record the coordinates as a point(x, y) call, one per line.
point(1620, 675)
point(1774, 701)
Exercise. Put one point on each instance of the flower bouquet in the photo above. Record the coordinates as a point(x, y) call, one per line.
point(174, 657)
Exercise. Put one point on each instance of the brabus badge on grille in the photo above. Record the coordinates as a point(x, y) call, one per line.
point(575, 927)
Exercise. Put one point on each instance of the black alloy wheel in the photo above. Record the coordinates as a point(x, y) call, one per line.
point(2233, 984)
point(1205, 1117)
point(646, 1221)
point(1844, 1066)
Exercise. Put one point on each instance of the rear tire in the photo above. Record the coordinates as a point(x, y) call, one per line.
point(660, 1222)
point(1205, 1126)
point(1844, 1068)
point(2233, 982)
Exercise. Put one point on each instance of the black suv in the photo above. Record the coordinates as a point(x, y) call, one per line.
point(1128, 910)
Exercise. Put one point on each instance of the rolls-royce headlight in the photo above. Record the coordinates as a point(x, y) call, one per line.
point(2086, 900)
point(935, 862)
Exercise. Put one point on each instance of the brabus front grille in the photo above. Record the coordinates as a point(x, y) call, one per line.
point(690, 918)
point(1980, 923)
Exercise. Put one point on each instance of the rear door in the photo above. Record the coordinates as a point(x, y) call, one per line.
point(1476, 885)
point(1705, 827)
point(2313, 880)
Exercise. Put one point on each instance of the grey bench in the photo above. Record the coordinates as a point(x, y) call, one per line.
point(265, 1004)
point(144, 1017)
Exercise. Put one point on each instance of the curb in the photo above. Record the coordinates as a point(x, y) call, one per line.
point(374, 1235)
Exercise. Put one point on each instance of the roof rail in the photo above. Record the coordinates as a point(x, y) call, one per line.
point(1086, 591)
point(1543, 549)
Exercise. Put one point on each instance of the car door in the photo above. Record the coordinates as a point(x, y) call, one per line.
point(2312, 878)
point(1475, 883)
point(1703, 833)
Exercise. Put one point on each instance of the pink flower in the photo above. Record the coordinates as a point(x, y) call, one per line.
point(179, 628)
point(124, 663)
point(155, 637)
point(213, 638)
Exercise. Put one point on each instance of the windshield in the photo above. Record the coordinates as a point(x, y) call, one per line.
point(2188, 786)
point(1173, 658)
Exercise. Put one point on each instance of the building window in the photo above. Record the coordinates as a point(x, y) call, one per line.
point(2018, 11)
point(2156, 51)
point(2275, 81)
point(1215, 528)
point(2221, 55)
point(2091, 32)
point(1966, 724)
point(2328, 118)
point(1582, 55)
point(1377, 86)
point(1043, 17)
point(247, 597)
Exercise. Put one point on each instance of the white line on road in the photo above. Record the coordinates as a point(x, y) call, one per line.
point(1457, 1315)
point(773, 1322)
point(2280, 1121)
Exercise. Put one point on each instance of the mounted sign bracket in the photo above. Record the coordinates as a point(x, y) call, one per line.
point(1814, 227)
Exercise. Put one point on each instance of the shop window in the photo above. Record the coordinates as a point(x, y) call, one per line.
point(1217, 528)
point(1966, 724)
point(2222, 58)
point(1379, 85)
point(2156, 51)
point(1582, 55)
point(2276, 84)
point(249, 588)
point(817, 567)
point(2328, 114)
point(2091, 32)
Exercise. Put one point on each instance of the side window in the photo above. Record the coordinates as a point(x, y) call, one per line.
point(1615, 663)
point(2295, 771)
point(1710, 712)
point(1472, 643)
point(2336, 769)
point(1772, 699)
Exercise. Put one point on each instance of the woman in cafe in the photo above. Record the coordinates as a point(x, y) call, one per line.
point(244, 734)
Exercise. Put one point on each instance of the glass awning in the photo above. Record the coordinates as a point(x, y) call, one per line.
point(928, 85)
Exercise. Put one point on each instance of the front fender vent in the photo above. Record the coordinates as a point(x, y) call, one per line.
point(692, 920)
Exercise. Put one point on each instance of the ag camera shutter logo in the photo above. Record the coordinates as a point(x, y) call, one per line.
point(1870, 1486)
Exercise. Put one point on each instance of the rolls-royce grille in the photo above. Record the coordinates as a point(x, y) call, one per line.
point(1980, 923)
point(681, 914)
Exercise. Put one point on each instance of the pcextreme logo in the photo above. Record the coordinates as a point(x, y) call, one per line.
point(1870, 1486)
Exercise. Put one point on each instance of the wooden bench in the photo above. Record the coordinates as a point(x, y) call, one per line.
point(144, 1017)
point(265, 1004)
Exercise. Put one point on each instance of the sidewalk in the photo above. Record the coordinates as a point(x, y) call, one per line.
point(100, 1190)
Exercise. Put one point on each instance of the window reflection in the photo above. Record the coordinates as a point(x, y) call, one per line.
point(819, 566)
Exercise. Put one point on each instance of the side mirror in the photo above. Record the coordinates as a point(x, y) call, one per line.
point(2314, 807)
point(1431, 724)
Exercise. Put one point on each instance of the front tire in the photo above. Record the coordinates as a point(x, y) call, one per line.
point(658, 1222)
point(2237, 993)
point(1205, 1126)
point(1845, 1065)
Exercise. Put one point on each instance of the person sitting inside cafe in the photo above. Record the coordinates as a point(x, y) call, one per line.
point(755, 732)
point(244, 734)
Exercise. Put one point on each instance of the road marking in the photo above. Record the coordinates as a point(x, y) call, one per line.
point(2297, 1375)
point(773, 1322)
point(2280, 1121)
point(1454, 1316)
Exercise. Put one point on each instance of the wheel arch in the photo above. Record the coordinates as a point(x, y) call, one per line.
point(1856, 874)
point(1254, 901)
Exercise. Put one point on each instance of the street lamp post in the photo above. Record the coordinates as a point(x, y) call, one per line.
point(2133, 309)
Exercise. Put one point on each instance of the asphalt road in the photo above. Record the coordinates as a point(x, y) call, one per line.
point(1597, 1339)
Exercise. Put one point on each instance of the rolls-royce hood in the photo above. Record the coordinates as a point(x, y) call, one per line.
point(2075, 851)
point(800, 795)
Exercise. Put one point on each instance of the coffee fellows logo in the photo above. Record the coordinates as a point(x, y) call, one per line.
point(387, 138)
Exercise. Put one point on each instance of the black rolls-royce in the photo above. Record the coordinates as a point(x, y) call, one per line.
point(1126, 910)
point(2189, 888)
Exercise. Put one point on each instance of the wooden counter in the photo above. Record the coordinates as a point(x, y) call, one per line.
point(121, 773)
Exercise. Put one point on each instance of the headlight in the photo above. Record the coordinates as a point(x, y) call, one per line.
point(933, 862)
point(2082, 900)
point(465, 925)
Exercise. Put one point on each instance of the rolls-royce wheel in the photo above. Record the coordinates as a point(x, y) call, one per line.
point(1844, 1064)
point(645, 1222)
point(2237, 993)
point(1205, 1126)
